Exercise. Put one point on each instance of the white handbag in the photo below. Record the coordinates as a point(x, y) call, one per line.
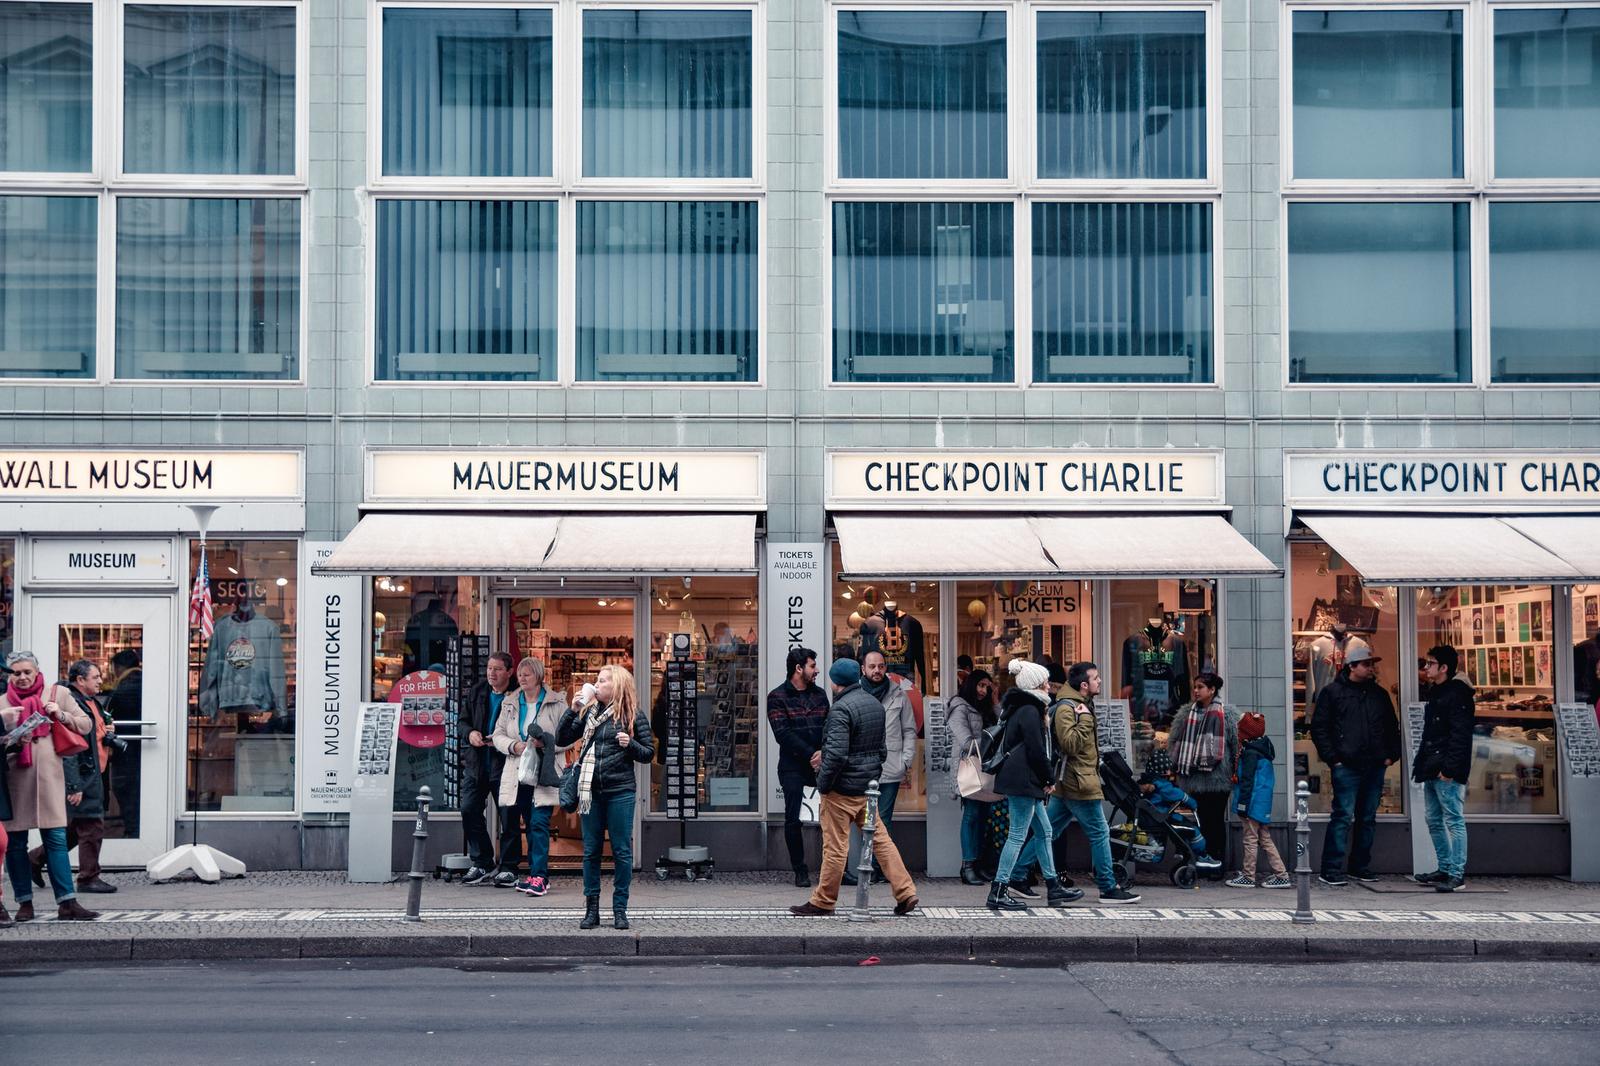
point(971, 782)
point(528, 767)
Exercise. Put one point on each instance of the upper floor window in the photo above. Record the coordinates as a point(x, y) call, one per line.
point(47, 88)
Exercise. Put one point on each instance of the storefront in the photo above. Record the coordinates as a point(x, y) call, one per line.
point(1496, 554)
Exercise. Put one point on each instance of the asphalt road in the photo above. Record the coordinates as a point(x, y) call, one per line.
point(1387, 1014)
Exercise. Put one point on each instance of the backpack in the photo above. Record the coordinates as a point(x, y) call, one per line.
point(989, 747)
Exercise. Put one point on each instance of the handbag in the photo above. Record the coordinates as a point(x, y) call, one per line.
point(67, 741)
point(971, 782)
point(569, 786)
point(528, 766)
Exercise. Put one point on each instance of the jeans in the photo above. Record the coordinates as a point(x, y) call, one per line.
point(973, 814)
point(794, 787)
point(1092, 816)
point(609, 815)
point(1356, 793)
point(1447, 825)
point(55, 857)
point(537, 819)
point(475, 793)
point(1027, 813)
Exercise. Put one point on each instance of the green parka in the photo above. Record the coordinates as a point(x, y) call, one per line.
point(1078, 748)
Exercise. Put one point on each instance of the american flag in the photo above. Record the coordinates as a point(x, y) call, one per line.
point(200, 598)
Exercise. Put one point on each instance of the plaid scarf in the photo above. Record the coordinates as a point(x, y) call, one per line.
point(1197, 747)
point(586, 770)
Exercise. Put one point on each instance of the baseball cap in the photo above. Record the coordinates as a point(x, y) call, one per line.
point(1362, 654)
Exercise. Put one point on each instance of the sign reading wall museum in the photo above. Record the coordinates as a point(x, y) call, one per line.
point(1452, 478)
point(661, 479)
point(149, 475)
point(1075, 477)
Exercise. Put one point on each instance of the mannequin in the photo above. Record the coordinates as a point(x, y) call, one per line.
point(428, 635)
point(244, 670)
point(1328, 653)
point(901, 640)
point(1155, 671)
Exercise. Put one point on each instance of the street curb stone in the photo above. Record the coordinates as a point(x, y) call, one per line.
point(390, 947)
point(180, 948)
point(1342, 947)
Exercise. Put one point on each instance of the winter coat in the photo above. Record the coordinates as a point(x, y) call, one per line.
point(965, 723)
point(853, 748)
point(899, 733)
point(83, 769)
point(39, 792)
point(1354, 724)
point(797, 720)
point(1446, 746)
point(244, 666)
point(1252, 796)
point(1026, 769)
point(474, 718)
point(613, 768)
point(1078, 769)
point(547, 793)
point(1168, 796)
point(1220, 777)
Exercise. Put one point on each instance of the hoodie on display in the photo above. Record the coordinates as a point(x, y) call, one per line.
point(244, 666)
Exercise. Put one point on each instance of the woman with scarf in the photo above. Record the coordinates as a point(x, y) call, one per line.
point(1204, 744)
point(36, 782)
point(613, 733)
point(971, 712)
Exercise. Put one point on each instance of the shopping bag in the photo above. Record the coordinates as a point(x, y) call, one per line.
point(971, 782)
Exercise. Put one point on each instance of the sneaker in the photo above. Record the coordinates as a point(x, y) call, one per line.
point(504, 879)
point(1449, 884)
point(1206, 862)
point(1333, 880)
point(1119, 895)
point(1277, 881)
point(1023, 889)
point(1429, 879)
point(477, 876)
point(1365, 876)
point(1241, 881)
point(525, 886)
point(538, 886)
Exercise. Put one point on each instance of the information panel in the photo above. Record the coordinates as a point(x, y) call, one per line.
point(371, 851)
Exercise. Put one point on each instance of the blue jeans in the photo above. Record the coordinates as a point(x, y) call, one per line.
point(973, 814)
point(55, 858)
point(609, 815)
point(1027, 814)
point(1447, 825)
point(1091, 815)
point(537, 820)
point(1355, 813)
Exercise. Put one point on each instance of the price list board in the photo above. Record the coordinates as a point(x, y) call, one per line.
point(682, 739)
point(370, 849)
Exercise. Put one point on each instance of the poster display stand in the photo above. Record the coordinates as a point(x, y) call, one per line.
point(371, 849)
point(1580, 778)
point(682, 784)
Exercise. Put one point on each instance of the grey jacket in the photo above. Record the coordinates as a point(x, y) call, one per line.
point(899, 733)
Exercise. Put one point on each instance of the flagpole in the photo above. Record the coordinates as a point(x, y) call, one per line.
point(203, 513)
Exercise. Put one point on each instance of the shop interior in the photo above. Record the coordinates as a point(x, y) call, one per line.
point(100, 644)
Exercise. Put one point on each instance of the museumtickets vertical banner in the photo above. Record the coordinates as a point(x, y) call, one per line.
point(330, 682)
point(796, 611)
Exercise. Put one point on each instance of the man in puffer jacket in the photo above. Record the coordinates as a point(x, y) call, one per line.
point(853, 751)
point(1444, 763)
point(1357, 734)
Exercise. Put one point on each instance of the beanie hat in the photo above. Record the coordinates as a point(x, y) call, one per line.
point(1157, 764)
point(1058, 674)
point(1031, 677)
point(844, 672)
point(1252, 725)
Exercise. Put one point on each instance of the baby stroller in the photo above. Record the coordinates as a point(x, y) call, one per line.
point(1143, 835)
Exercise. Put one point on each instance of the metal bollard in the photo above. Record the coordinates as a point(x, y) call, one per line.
point(1302, 855)
point(419, 848)
point(864, 871)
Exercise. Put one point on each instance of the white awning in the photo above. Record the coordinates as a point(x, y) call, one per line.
point(939, 546)
point(1575, 538)
point(522, 544)
point(1159, 545)
point(1439, 550)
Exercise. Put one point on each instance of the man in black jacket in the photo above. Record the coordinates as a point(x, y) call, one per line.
point(852, 757)
point(481, 765)
point(1444, 763)
point(1357, 734)
point(797, 710)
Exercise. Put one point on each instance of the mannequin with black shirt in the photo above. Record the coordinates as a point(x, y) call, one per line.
point(901, 642)
point(1155, 671)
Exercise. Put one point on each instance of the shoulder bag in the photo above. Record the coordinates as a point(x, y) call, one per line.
point(971, 782)
point(67, 741)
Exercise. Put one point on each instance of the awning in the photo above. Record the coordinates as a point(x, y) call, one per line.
point(555, 544)
point(1575, 538)
point(1439, 550)
point(1161, 545)
point(939, 546)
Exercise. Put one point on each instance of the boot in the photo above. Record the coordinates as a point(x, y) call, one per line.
point(73, 911)
point(5, 918)
point(619, 917)
point(24, 911)
point(969, 876)
point(1060, 896)
point(591, 913)
point(1001, 899)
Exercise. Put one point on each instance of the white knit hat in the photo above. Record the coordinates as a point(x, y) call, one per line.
point(1031, 677)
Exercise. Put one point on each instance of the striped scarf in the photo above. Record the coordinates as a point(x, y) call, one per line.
point(1198, 746)
point(586, 770)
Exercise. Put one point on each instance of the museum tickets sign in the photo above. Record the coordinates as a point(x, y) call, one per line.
point(1455, 479)
point(1070, 477)
point(618, 480)
point(181, 476)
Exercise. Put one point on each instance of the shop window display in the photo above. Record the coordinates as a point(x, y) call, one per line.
point(241, 679)
point(1043, 621)
point(1333, 611)
point(1505, 635)
point(1586, 644)
point(1163, 633)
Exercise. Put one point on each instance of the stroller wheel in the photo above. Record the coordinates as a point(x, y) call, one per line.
point(1183, 876)
point(1124, 871)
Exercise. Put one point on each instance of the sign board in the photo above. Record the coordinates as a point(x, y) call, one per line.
point(1422, 856)
point(944, 806)
point(372, 752)
point(186, 476)
point(1580, 739)
point(101, 561)
point(545, 479)
point(796, 606)
point(1438, 478)
point(1113, 727)
point(1024, 481)
point(1580, 758)
point(331, 625)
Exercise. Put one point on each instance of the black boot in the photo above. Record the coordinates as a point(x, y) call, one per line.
point(1000, 899)
point(591, 913)
point(969, 876)
point(1060, 896)
point(619, 917)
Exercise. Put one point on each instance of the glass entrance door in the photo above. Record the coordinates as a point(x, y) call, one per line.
point(130, 640)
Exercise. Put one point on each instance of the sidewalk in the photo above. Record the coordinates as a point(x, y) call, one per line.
point(320, 915)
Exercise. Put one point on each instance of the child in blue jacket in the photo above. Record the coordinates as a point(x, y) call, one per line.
point(1173, 803)
point(1252, 799)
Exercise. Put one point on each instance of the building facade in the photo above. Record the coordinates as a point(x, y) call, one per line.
point(1178, 335)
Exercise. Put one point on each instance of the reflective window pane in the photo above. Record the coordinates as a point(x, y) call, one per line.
point(1379, 292)
point(667, 291)
point(47, 286)
point(1122, 94)
point(1163, 634)
point(1544, 323)
point(1547, 92)
point(667, 94)
point(1586, 644)
point(1122, 292)
point(922, 292)
point(209, 90)
point(466, 290)
point(922, 94)
point(467, 92)
point(116, 651)
point(1377, 94)
point(46, 87)
point(208, 288)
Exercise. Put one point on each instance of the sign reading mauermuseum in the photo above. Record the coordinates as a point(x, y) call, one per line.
point(1447, 478)
point(660, 479)
point(1075, 477)
point(149, 475)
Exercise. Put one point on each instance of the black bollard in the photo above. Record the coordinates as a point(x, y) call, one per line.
point(419, 849)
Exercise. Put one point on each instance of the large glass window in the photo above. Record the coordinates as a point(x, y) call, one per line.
point(208, 90)
point(1546, 92)
point(1586, 643)
point(667, 291)
point(1505, 638)
point(46, 87)
point(922, 94)
point(667, 94)
point(467, 92)
point(1544, 322)
point(208, 288)
point(47, 286)
point(1379, 292)
point(1163, 633)
point(1122, 94)
point(922, 292)
point(1042, 621)
point(1122, 292)
point(241, 679)
point(466, 290)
